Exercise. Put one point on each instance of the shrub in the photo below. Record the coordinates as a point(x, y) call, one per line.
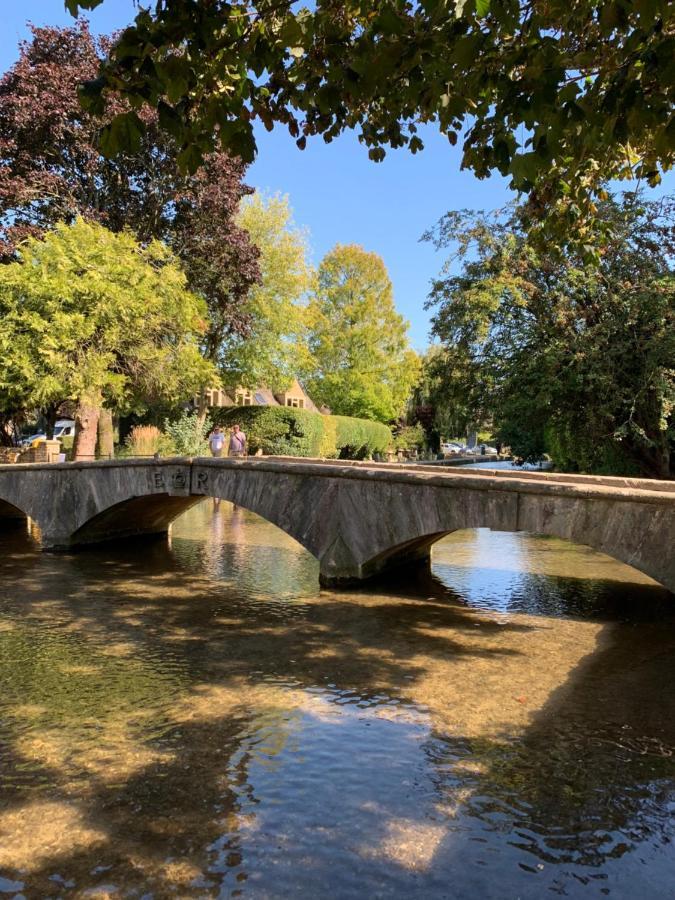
point(285, 431)
point(188, 436)
point(276, 430)
point(410, 437)
point(328, 448)
point(145, 440)
point(359, 438)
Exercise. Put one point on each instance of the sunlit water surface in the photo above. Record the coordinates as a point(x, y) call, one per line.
point(198, 719)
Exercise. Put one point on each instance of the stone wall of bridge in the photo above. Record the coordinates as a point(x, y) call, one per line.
point(357, 520)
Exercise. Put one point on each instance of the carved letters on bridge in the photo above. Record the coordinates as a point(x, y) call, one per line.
point(177, 481)
point(171, 482)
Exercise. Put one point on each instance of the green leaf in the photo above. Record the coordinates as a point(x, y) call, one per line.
point(123, 134)
point(74, 6)
point(91, 96)
point(169, 119)
point(482, 7)
point(388, 22)
point(189, 159)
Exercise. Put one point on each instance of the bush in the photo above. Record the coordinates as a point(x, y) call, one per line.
point(189, 436)
point(285, 431)
point(410, 437)
point(328, 448)
point(145, 440)
point(359, 438)
point(276, 430)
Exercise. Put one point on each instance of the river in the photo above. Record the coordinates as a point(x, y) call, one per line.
point(196, 718)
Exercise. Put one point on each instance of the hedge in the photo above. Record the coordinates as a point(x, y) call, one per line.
point(358, 438)
point(286, 431)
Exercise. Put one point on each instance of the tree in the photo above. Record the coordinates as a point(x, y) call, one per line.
point(52, 170)
point(559, 96)
point(567, 360)
point(440, 401)
point(362, 364)
point(274, 350)
point(95, 317)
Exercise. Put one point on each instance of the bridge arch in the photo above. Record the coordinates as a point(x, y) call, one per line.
point(10, 512)
point(152, 513)
point(418, 552)
point(147, 514)
point(415, 544)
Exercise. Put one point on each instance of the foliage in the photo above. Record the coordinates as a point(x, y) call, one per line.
point(361, 362)
point(52, 170)
point(360, 438)
point(328, 449)
point(88, 313)
point(276, 430)
point(439, 401)
point(559, 96)
point(145, 440)
point(284, 431)
point(273, 350)
point(410, 437)
point(189, 434)
point(573, 360)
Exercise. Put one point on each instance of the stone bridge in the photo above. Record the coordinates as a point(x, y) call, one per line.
point(357, 519)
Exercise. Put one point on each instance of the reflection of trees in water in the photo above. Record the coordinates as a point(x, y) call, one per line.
point(594, 775)
point(236, 546)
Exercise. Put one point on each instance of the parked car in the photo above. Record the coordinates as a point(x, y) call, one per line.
point(449, 447)
point(486, 450)
point(33, 439)
point(62, 428)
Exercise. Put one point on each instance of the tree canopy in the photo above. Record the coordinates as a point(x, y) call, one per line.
point(94, 317)
point(560, 358)
point(273, 351)
point(52, 170)
point(361, 361)
point(559, 96)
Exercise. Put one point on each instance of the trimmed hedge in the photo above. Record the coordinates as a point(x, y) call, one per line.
point(286, 431)
point(276, 430)
point(359, 438)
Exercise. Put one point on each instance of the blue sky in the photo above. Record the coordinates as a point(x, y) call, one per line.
point(335, 190)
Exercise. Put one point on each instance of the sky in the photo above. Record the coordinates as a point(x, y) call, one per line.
point(335, 191)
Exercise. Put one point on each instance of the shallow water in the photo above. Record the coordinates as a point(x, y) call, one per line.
point(198, 719)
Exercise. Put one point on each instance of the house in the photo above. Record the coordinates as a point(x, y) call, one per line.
point(294, 396)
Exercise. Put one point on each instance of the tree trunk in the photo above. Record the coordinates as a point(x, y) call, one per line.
point(106, 440)
point(202, 407)
point(86, 427)
point(50, 421)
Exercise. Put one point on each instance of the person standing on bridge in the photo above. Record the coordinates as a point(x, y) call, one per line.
point(237, 442)
point(217, 441)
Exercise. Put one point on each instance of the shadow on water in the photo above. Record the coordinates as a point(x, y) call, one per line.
point(201, 720)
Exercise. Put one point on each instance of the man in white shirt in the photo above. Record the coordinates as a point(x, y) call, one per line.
point(216, 441)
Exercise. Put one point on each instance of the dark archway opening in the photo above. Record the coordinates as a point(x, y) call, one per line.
point(138, 516)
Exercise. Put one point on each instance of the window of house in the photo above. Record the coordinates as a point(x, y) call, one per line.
point(295, 402)
point(244, 398)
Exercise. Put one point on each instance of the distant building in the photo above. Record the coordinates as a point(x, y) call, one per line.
point(294, 396)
